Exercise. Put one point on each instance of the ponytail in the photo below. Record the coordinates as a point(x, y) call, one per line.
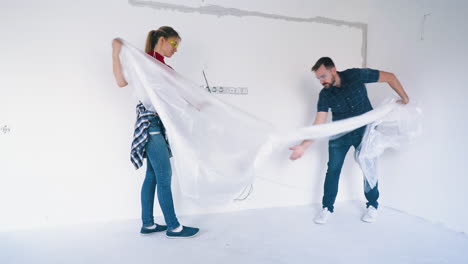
point(154, 35)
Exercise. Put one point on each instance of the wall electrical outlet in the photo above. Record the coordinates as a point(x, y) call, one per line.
point(223, 89)
point(227, 90)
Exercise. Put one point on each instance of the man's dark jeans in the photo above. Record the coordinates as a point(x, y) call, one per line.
point(337, 149)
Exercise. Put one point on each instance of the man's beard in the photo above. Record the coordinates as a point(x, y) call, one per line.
point(328, 85)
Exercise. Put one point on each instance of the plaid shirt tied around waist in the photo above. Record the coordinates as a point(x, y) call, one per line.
point(140, 135)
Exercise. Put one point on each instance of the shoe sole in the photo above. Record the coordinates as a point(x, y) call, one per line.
point(149, 234)
point(181, 237)
point(320, 223)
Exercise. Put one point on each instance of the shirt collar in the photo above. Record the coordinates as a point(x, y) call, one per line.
point(157, 56)
point(342, 78)
point(343, 82)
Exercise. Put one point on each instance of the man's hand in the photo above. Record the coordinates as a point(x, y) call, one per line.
point(298, 151)
point(393, 81)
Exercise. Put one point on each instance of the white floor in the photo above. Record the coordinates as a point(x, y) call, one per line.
point(277, 235)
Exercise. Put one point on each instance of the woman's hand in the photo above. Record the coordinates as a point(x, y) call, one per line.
point(403, 100)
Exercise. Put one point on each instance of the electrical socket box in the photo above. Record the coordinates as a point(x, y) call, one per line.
point(227, 90)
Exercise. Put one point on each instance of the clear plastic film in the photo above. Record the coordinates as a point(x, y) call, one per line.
point(217, 148)
point(213, 143)
point(393, 130)
point(273, 157)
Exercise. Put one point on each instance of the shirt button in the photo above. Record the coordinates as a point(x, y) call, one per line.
point(347, 98)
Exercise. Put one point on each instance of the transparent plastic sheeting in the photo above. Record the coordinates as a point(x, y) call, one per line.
point(219, 149)
point(395, 129)
point(390, 125)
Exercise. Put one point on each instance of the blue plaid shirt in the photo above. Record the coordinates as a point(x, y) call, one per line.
point(140, 136)
point(351, 98)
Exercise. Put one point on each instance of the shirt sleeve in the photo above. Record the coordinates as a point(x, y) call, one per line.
point(367, 75)
point(322, 104)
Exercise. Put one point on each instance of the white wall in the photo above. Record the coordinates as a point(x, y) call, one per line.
point(66, 157)
point(429, 177)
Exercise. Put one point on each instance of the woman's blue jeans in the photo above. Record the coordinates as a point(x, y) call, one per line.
point(158, 174)
point(337, 150)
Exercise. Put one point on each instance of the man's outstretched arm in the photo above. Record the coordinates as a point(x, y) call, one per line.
point(299, 150)
point(393, 81)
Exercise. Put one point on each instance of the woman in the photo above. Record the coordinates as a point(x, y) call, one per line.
point(150, 142)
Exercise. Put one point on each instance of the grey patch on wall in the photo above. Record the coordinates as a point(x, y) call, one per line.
point(224, 11)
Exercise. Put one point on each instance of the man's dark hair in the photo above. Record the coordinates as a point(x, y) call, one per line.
point(325, 61)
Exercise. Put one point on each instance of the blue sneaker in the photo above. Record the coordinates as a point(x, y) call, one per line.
point(186, 232)
point(158, 228)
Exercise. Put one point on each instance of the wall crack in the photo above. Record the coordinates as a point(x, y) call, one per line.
point(227, 11)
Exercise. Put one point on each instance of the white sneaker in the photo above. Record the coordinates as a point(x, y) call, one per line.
point(371, 215)
point(322, 217)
